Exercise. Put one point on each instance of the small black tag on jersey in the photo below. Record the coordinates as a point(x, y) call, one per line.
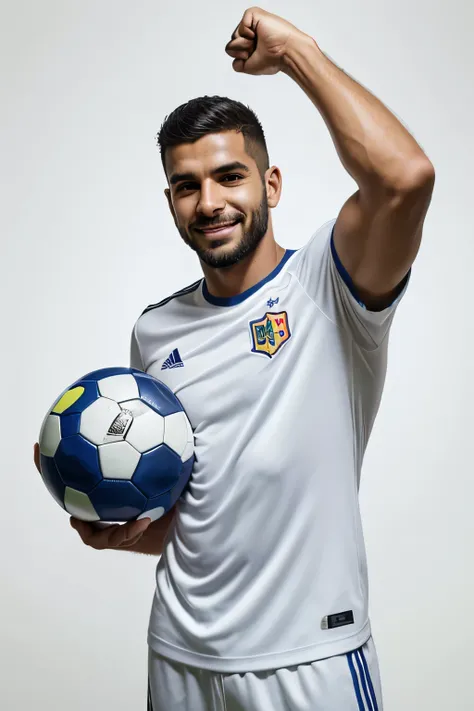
point(338, 620)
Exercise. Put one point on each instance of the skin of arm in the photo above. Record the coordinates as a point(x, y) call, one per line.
point(378, 231)
point(152, 541)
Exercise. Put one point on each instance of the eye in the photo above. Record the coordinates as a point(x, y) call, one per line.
point(184, 186)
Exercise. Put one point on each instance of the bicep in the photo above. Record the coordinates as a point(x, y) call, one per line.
point(377, 237)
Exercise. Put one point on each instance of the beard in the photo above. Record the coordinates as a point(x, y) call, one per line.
point(247, 244)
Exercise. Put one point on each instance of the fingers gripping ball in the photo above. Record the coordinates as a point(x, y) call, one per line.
point(116, 446)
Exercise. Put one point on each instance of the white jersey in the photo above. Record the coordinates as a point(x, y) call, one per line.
point(265, 564)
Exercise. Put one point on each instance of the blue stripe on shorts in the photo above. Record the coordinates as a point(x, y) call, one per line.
point(365, 694)
point(371, 686)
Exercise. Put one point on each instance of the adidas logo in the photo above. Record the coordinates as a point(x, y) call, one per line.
point(173, 361)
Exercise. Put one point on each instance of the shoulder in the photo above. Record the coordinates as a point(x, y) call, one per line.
point(310, 261)
point(177, 296)
point(318, 241)
point(161, 318)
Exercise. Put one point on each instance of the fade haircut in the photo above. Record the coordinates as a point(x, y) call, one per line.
point(214, 114)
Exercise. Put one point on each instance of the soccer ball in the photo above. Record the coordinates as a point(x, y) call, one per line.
point(116, 446)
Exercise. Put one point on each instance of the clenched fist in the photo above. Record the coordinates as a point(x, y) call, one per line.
point(260, 42)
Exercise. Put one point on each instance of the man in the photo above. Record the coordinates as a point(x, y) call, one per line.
point(279, 358)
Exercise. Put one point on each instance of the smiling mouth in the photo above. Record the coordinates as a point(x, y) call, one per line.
point(220, 231)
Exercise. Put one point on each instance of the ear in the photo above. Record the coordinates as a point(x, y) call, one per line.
point(274, 186)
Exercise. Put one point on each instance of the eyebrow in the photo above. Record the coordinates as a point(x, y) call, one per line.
point(227, 168)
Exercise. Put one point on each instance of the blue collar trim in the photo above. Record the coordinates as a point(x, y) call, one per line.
point(233, 300)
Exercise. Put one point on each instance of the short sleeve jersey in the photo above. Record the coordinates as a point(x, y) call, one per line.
point(264, 565)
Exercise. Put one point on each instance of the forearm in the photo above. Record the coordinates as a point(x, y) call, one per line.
point(370, 141)
point(153, 539)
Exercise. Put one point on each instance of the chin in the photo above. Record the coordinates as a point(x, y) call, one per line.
point(221, 256)
point(220, 246)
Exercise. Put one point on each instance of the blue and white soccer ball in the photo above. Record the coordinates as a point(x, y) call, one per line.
point(116, 446)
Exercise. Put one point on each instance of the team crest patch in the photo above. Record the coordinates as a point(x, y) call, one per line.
point(269, 333)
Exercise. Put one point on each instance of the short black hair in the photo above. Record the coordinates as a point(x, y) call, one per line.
point(214, 114)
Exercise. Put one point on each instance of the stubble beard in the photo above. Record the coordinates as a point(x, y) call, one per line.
point(247, 244)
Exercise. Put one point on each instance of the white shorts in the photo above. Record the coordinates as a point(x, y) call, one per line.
point(347, 682)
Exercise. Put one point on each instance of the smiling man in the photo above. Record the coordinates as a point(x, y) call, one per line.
point(279, 358)
point(228, 235)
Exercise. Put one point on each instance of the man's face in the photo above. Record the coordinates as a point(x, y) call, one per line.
point(202, 198)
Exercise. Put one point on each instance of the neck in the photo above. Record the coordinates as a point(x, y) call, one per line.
point(231, 281)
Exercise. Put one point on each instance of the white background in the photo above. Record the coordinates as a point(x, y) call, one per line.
point(87, 242)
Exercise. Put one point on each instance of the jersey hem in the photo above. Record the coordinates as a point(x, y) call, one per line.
point(278, 660)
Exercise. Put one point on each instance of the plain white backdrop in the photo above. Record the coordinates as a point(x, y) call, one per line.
point(87, 242)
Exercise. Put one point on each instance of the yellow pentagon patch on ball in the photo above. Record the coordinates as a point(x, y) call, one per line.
point(67, 400)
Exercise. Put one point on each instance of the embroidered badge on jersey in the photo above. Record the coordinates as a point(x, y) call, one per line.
point(269, 333)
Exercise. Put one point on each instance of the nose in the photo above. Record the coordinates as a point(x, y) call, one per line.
point(211, 199)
